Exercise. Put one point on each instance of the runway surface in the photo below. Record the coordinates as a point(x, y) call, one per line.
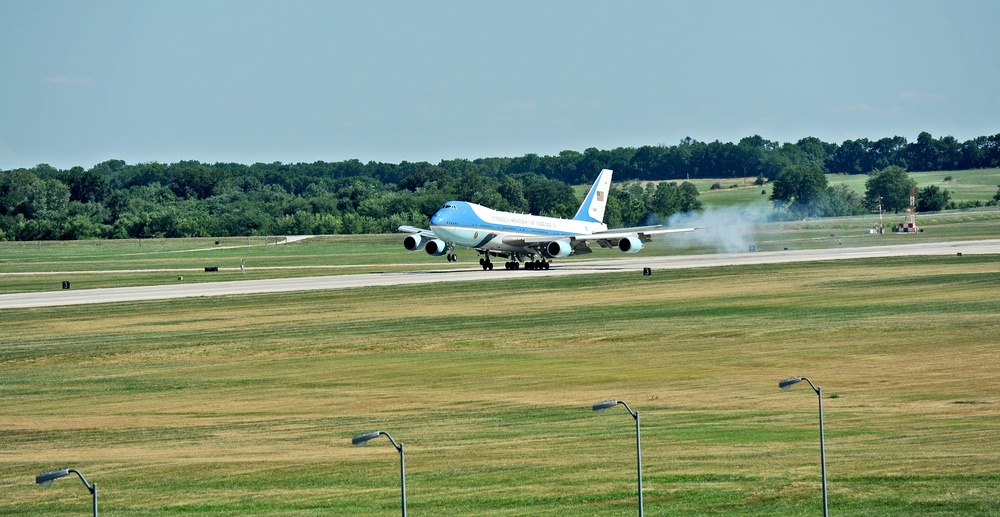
point(567, 267)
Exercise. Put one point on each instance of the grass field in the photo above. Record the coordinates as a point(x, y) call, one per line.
point(964, 186)
point(246, 405)
point(43, 266)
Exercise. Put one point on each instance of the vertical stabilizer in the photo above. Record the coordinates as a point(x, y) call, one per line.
point(592, 209)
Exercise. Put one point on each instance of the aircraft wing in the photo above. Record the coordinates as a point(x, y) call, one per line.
point(607, 239)
point(645, 233)
point(538, 242)
point(413, 229)
point(610, 238)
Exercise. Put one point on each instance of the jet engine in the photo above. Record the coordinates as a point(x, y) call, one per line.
point(558, 249)
point(630, 245)
point(436, 247)
point(414, 242)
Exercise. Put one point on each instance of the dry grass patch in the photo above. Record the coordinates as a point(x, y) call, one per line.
point(246, 404)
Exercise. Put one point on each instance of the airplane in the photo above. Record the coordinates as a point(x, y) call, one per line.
point(523, 237)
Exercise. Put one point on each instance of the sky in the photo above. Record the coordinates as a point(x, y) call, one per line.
point(246, 81)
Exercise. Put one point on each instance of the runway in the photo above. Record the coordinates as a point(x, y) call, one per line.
point(475, 273)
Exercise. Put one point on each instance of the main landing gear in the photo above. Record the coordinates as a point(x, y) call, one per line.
point(515, 263)
point(536, 265)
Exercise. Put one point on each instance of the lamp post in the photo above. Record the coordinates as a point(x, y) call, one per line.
point(362, 439)
point(599, 408)
point(46, 479)
point(787, 384)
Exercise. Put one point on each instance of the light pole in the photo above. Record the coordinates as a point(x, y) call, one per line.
point(362, 439)
point(787, 384)
point(599, 408)
point(46, 479)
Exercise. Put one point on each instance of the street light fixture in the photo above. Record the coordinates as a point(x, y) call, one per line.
point(46, 479)
point(362, 439)
point(599, 408)
point(786, 385)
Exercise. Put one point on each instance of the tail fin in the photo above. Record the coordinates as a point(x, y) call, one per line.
point(592, 209)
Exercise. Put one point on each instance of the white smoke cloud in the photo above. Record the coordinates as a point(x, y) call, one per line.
point(729, 229)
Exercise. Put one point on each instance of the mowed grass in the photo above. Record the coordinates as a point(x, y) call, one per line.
point(964, 186)
point(44, 266)
point(970, 185)
point(245, 405)
point(194, 254)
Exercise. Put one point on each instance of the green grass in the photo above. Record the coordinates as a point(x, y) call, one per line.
point(246, 404)
point(964, 186)
point(44, 266)
point(970, 185)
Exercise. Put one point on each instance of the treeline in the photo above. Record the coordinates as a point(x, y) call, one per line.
point(190, 199)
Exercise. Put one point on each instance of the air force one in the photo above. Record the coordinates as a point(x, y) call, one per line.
point(522, 237)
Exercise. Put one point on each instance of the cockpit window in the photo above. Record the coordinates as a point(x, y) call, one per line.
point(453, 207)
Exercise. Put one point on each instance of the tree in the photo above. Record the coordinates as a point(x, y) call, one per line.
point(14, 186)
point(949, 153)
point(887, 151)
point(797, 188)
point(932, 199)
point(624, 208)
point(549, 197)
point(665, 200)
point(689, 197)
point(924, 154)
point(513, 192)
point(21, 192)
point(815, 152)
point(841, 200)
point(892, 185)
point(974, 153)
point(195, 181)
point(851, 157)
point(86, 186)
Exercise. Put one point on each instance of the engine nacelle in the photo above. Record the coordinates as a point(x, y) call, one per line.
point(630, 245)
point(414, 242)
point(558, 249)
point(436, 247)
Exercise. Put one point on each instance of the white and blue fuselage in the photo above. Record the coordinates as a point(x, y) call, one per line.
point(475, 226)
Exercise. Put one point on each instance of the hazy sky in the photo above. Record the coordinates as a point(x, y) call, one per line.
point(250, 81)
